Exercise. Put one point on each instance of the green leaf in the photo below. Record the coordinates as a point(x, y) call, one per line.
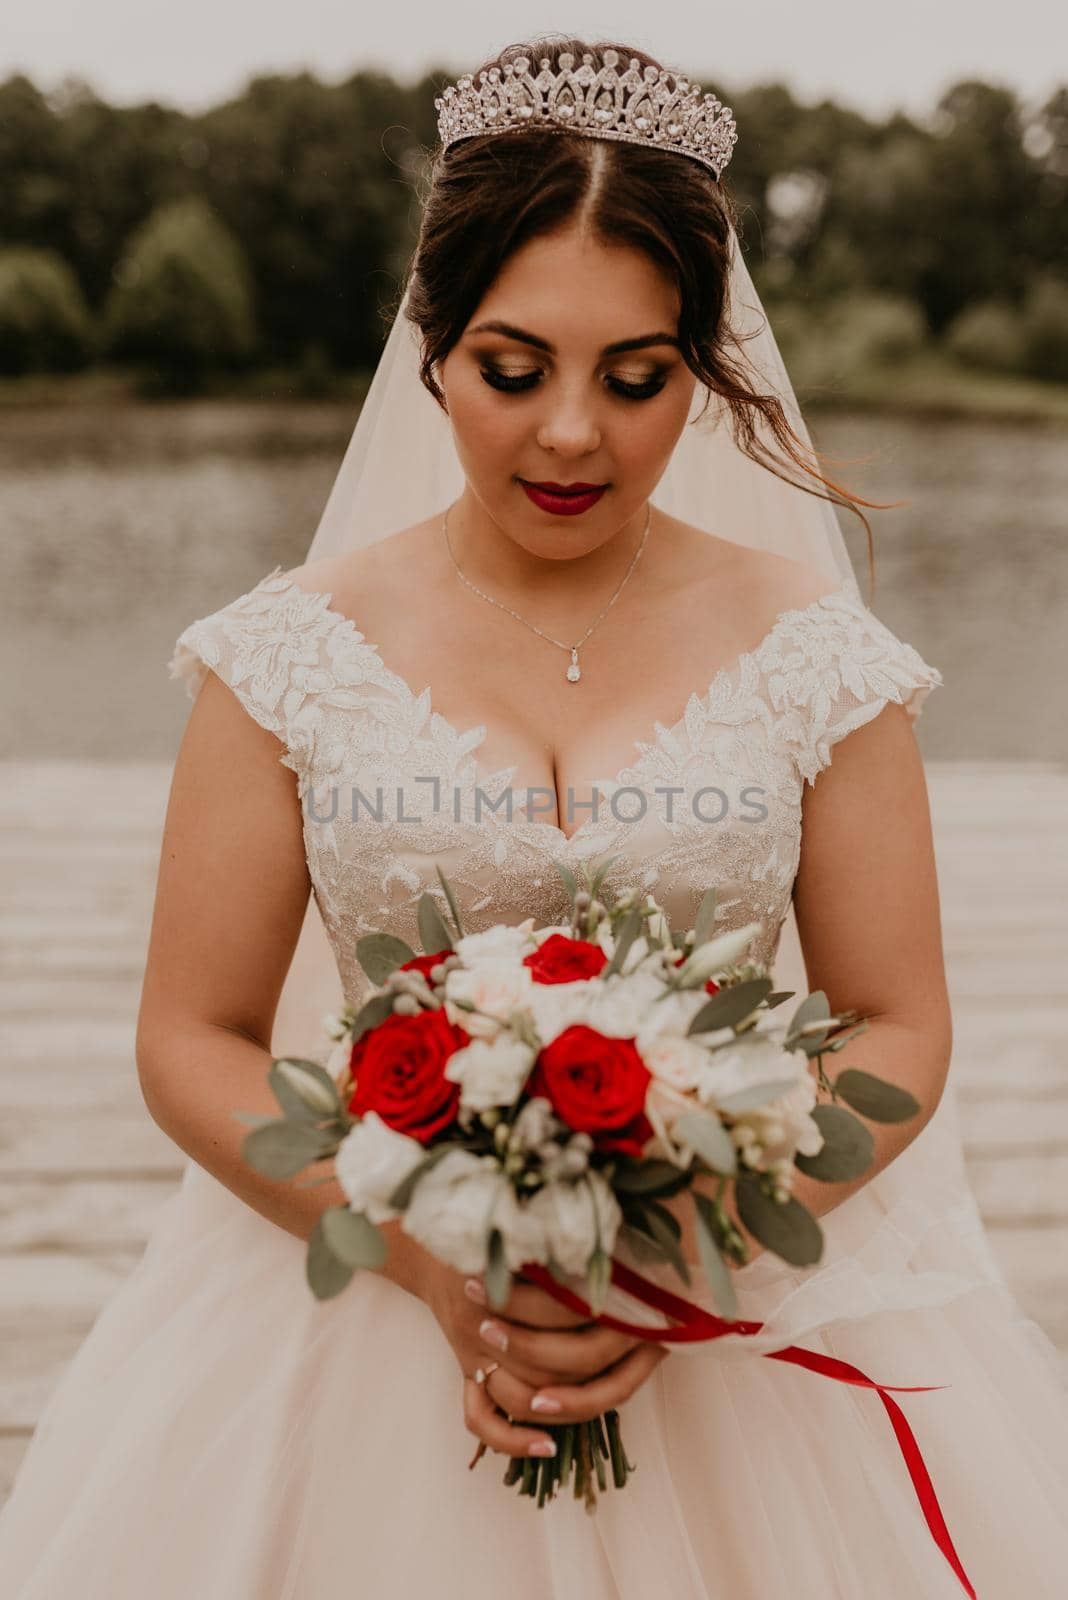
point(848, 1148)
point(709, 1138)
point(789, 1231)
point(650, 1177)
point(374, 1011)
point(778, 997)
point(253, 1119)
point(352, 1237)
point(599, 876)
point(814, 1007)
point(401, 1198)
point(303, 1089)
point(498, 1276)
point(379, 954)
point(432, 929)
point(713, 1265)
point(451, 898)
point(663, 1228)
point(632, 926)
point(281, 1148)
point(874, 1098)
point(567, 877)
point(730, 1006)
point(705, 926)
point(640, 1243)
point(598, 1278)
point(326, 1274)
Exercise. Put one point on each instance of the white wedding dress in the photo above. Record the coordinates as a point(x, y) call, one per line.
point(221, 1435)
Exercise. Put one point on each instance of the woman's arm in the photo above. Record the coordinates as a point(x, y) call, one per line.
point(868, 918)
point(231, 894)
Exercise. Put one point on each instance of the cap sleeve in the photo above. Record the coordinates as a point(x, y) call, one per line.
point(835, 670)
point(267, 650)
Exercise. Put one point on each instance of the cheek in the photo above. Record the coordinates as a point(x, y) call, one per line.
point(484, 428)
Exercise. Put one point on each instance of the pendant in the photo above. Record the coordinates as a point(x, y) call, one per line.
point(574, 672)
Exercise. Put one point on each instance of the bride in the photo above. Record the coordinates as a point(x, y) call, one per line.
point(495, 610)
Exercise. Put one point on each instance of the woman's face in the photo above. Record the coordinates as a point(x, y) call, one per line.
point(540, 392)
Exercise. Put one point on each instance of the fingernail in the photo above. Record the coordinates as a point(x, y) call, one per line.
point(494, 1334)
point(543, 1447)
point(474, 1291)
point(544, 1402)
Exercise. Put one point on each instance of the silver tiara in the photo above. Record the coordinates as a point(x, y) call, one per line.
point(647, 105)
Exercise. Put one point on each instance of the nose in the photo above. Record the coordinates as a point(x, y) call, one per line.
point(569, 427)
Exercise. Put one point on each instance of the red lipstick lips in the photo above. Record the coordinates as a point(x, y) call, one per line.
point(563, 499)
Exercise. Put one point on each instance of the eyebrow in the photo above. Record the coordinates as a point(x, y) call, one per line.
point(641, 343)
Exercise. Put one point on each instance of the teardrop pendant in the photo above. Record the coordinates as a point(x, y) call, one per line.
point(574, 672)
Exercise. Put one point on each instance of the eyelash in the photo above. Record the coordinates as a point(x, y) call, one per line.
point(516, 384)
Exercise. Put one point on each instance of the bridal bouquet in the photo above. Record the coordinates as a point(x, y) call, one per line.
point(531, 1101)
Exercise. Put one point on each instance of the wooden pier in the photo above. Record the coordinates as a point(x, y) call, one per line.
point(84, 1170)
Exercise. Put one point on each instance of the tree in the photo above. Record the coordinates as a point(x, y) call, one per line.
point(44, 322)
point(182, 303)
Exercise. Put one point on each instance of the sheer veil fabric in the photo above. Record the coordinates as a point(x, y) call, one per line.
point(912, 1236)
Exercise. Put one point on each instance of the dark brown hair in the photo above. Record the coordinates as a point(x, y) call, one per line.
point(490, 195)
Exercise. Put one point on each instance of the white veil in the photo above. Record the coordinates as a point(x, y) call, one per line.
point(912, 1236)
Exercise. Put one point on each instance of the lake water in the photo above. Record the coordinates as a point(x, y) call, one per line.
point(123, 523)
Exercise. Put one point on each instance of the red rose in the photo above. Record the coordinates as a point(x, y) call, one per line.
point(711, 986)
point(399, 1069)
point(596, 1085)
point(564, 960)
point(423, 964)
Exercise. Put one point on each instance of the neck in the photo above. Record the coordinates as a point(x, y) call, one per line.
point(489, 556)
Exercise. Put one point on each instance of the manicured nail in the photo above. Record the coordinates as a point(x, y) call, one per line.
point(474, 1291)
point(545, 1402)
point(543, 1447)
point(494, 1334)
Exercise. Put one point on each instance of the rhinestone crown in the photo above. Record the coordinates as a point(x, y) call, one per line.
point(642, 105)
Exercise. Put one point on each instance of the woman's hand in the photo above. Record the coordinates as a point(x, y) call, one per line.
point(548, 1363)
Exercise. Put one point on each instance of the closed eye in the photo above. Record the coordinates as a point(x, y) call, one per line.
point(515, 383)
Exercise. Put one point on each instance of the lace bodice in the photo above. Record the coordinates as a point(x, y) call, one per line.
point(391, 790)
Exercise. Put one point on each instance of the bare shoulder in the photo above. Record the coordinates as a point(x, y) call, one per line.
point(760, 584)
point(355, 576)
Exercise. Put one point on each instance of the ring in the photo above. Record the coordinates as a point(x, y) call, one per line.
point(482, 1373)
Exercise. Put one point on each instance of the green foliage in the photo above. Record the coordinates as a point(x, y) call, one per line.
point(989, 337)
point(829, 343)
point(1045, 318)
point(45, 324)
point(182, 302)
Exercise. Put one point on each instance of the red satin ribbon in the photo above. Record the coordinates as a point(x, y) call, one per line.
point(697, 1324)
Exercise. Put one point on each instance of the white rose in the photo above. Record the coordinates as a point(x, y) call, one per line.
point(501, 943)
point(566, 1211)
point(785, 1127)
point(370, 1162)
point(490, 1072)
point(675, 1060)
point(664, 1105)
point(745, 1065)
point(451, 1209)
point(494, 986)
point(620, 1007)
point(555, 1006)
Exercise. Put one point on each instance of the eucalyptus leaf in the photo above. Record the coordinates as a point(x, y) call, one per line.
point(650, 1177)
point(326, 1274)
point(754, 1095)
point(640, 1244)
point(352, 1237)
point(280, 1149)
point(713, 1265)
point(778, 997)
point(303, 1089)
point(848, 1147)
point(788, 1231)
point(379, 954)
point(598, 1278)
point(374, 1011)
point(874, 1098)
point(498, 1275)
point(451, 898)
point(651, 1218)
point(730, 1006)
point(254, 1119)
point(567, 878)
point(812, 1009)
point(705, 925)
point(709, 1138)
point(401, 1198)
point(632, 926)
point(432, 929)
point(597, 882)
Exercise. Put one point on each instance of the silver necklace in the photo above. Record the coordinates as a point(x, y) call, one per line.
point(574, 671)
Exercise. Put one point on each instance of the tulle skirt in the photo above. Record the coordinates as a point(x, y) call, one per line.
point(222, 1435)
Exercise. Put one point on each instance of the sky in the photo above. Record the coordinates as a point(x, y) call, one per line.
point(877, 58)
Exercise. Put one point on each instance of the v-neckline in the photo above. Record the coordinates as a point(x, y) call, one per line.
point(350, 630)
